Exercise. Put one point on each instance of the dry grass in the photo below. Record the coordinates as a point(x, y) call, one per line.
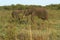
point(48, 30)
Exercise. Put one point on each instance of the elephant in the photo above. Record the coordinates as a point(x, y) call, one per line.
point(15, 14)
point(37, 11)
point(34, 11)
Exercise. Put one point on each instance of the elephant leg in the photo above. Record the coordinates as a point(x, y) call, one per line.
point(32, 19)
point(27, 19)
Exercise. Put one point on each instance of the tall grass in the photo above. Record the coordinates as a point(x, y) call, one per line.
point(47, 30)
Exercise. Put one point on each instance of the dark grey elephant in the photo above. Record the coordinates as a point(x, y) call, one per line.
point(39, 12)
point(16, 14)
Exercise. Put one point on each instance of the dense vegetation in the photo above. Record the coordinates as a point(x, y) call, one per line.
point(41, 30)
point(20, 6)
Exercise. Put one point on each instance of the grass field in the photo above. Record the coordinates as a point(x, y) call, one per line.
point(47, 30)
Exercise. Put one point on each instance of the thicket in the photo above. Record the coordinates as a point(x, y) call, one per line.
point(22, 7)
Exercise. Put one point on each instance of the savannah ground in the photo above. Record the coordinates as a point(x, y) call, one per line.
point(41, 30)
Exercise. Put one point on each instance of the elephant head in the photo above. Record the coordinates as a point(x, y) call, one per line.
point(28, 12)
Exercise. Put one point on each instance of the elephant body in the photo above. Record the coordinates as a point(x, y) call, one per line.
point(39, 12)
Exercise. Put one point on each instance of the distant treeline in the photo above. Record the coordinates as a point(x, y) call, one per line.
point(22, 7)
point(53, 6)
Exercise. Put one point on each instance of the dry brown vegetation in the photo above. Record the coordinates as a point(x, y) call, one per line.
point(47, 30)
